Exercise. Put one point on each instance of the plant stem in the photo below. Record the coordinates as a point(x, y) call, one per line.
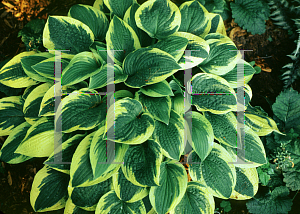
point(295, 195)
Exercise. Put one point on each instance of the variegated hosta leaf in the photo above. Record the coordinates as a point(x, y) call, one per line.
point(147, 66)
point(199, 50)
point(13, 75)
point(66, 152)
point(120, 94)
point(148, 206)
point(223, 55)
point(194, 19)
point(118, 7)
point(246, 184)
point(39, 140)
point(196, 200)
point(82, 66)
point(99, 4)
point(11, 114)
point(11, 144)
point(82, 111)
point(212, 93)
point(66, 33)
point(127, 191)
point(231, 76)
point(245, 98)
point(88, 197)
point(48, 101)
point(124, 44)
point(49, 190)
point(100, 80)
point(217, 24)
point(71, 208)
point(173, 183)
point(130, 125)
point(159, 107)
point(178, 104)
point(159, 18)
point(31, 60)
point(260, 124)
point(110, 203)
point(28, 90)
point(142, 163)
point(160, 89)
point(129, 18)
point(225, 127)
point(202, 138)
point(170, 137)
point(46, 68)
point(33, 102)
point(254, 154)
point(94, 18)
point(173, 45)
point(103, 156)
point(214, 171)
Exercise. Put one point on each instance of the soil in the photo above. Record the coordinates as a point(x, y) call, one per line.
point(269, 51)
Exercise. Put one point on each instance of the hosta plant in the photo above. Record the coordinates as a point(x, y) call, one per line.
point(148, 116)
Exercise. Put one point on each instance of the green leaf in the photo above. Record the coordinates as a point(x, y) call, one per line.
point(217, 24)
point(226, 206)
point(49, 190)
point(124, 44)
point(160, 89)
point(159, 18)
point(11, 114)
point(66, 33)
point(94, 18)
point(173, 184)
point(178, 103)
point(72, 208)
point(118, 8)
point(7, 152)
point(126, 114)
point(291, 178)
point(13, 75)
point(110, 203)
point(147, 66)
point(142, 163)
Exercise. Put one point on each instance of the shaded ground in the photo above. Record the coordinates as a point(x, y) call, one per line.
point(269, 52)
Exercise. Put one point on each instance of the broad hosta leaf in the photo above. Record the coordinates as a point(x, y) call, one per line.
point(148, 206)
point(212, 93)
point(159, 18)
point(94, 18)
point(11, 144)
point(118, 7)
point(160, 89)
point(173, 183)
point(223, 55)
point(87, 197)
point(202, 138)
point(33, 101)
point(71, 208)
point(124, 44)
point(217, 24)
point(99, 4)
point(46, 68)
point(147, 66)
point(246, 184)
point(11, 114)
point(49, 190)
point(82, 66)
point(13, 75)
point(194, 19)
point(66, 33)
point(159, 107)
point(214, 171)
point(196, 200)
point(100, 153)
point(247, 96)
point(231, 76)
point(66, 152)
point(170, 137)
point(127, 191)
point(254, 150)
point(82, 111)
point(224, 127)
point(142, 163)
point(178, 103)
point(129, 18)
point(100, 80)
point(31, 60)
point(120, 94)
point(48, 101)
point(110, 203)
point(199, 51)
point(126, 114)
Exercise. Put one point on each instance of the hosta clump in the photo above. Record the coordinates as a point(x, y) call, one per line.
point(147, 48)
